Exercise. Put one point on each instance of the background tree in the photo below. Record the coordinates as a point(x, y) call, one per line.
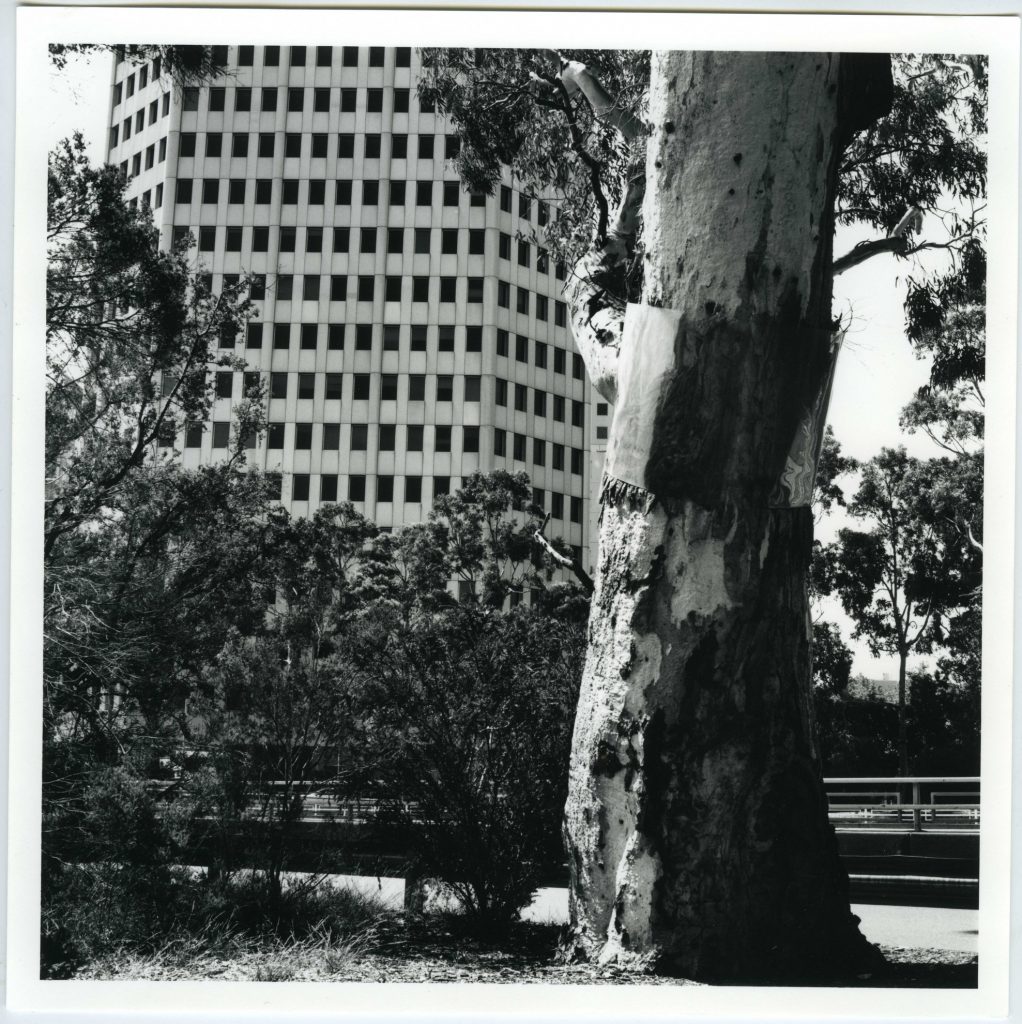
point(698, 647)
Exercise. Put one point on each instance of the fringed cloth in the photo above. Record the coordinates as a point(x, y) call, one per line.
point(646, 371)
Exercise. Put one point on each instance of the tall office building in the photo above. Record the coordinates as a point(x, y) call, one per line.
point(408, 333)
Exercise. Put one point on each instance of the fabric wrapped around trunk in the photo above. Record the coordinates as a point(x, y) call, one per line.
point(651, 354)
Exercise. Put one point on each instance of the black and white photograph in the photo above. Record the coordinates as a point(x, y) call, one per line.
point(502, 500)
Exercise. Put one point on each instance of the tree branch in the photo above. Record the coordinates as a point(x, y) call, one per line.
point(566, 561)
point(867, 250)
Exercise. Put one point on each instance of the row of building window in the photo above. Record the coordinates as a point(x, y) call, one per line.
point(416, 392)
point(417, 334)
point(213, 145)
point(411, 490)
point(415, 435)
point(309, 288)
point(324, 98)
point(143, 77)
point(122, 132)
point(314, 192)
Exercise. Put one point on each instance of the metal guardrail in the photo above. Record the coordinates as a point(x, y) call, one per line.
point(930, 803)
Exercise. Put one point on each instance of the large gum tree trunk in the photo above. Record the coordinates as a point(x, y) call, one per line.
point(696, 820)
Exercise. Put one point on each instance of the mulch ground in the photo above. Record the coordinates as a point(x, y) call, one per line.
point(434, 952)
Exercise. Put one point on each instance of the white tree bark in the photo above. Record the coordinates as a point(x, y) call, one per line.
point(696, 821)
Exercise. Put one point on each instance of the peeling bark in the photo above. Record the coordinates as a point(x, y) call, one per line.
point(696, 820)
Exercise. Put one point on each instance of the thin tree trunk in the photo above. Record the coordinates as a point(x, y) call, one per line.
point(903, 766)
point(696, 820)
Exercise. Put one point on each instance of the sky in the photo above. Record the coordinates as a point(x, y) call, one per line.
point(877, 371)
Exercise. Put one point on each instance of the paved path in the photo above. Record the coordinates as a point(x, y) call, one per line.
point(907, 927)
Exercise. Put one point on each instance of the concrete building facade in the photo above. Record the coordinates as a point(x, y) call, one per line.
point(407, 333)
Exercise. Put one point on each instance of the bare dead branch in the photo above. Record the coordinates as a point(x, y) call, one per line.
point(566, 561)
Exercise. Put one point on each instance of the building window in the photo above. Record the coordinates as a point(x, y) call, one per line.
point(154, 111)
point(541, 307)
point(162, 152)
point(577, 367)
point(289, 192)
point(578, 413)
point(187, 144)
point(359, 437)
point(370, 193)
point(576, 461)
point(499, 441)
point(416, 387)
point(524, 206)
point(159, 196)
point(423, 193)
point(473, 339)
point(367, 240)
point(363, 337)
point(373, 146)
point(285, 287)
point(216, 98)
point(360, 387)
point(538, 451)
point(503, 294)
point(342, 239)
point(275, 436)
point(557, 506)
point(257, 286)
point(385, 488)
point(425, 149)
point(207, 239)
point(271, 56)
point(324, 56)
point(332, 386)
point(445, 338)
point(338, 285)
point(189, 98)
point(224, 384)
point(210, 190)
point(521, 398)
point(239, 144)
point(392, 289)
point(501, 391)
point(221, 435)
point(310, 288)
point(505, 199)
point(475, 289)
point(328, 482)
point(309, 333)
point(387, 432)
point(266, 144)
point(313, 239)
point(477, 242)
point(293, 144)
point(287, 237)
point(299, 486)
point(321, 101)
point(449, 241)
point(391, 337)
point(281, 335)
point(307, 385)
point(472, 387)
point(349, 56)
point(444, 388)
point(233, 241)
point(342, 193)
point(295, 99)
point(448, 289)
point(521, 348)
point(374, 101)
point(268, 99)
point(395, 239)
point(336, 338)
point(348, 98)
point(470, 439)
point(399, 146)
point(558, 456)
point(246, 56)
point(366, 287)
point(388, 387)
point(442, 439)
point(502, 340)
point(522, 300)
point(345, 145)
point(559, 408)
point(519, 448)
point(523, 253)
point(236, 191)
point(278, 385)
point(451, 193)
point(193, 435)
point(413, 488)
point(413, 437)
point(165, 105)
point(401, 101)
point(539, 402)
point(357, 488)
point(319, 145)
